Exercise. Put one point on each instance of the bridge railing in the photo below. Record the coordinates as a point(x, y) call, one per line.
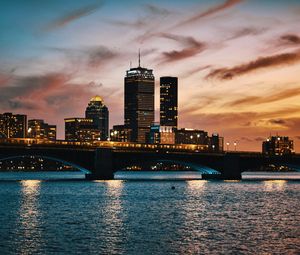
point(108, 144)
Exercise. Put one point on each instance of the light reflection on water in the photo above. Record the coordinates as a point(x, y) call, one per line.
point(113, 215)
point(150, 217)
point(275, 185)
point(29, 216)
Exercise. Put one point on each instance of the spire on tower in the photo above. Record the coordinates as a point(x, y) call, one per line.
point(139, 57)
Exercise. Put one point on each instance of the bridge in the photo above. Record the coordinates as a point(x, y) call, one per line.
point(100, 160)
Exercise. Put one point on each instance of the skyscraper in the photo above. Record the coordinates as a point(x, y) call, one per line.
point(98, 112)
point(169, 101)
point(139, 101)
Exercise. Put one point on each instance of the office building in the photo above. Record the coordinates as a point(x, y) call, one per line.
point(278, 146)
point(139, 102)
point(161, 134)
point(120, 133)
point(81, 130)
point(216, 143)
point(13, 125)
point(38, 129)
point(191, 136)
point(169, 101)
point(98, 112)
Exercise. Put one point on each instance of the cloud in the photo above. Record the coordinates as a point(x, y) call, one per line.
point(260, 139)
point(254, 100)
point(97, 56)
point(4, 78)
point(196, 70)
point(72, 16)
point(241, 32)
point(278, 121)
point(137, 24)
point(213, 10)
point(290, 39)
point(88, 57)
point(54, 96)
point(247, 139)
point(190, 44)
point(154, 15)
point(260, 63)
point(157, 10)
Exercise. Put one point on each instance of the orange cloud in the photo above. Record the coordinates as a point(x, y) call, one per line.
point(191, 47)
point(260, 63)
point(251, 100)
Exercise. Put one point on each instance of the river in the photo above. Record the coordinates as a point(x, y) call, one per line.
point(158, 215)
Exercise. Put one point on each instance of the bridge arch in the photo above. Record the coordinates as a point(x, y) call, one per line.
point(198, 167)
point(82, 169)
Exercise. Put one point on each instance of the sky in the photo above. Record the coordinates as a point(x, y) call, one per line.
point(237, 61)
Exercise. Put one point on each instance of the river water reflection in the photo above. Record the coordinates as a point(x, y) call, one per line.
point(149, 217)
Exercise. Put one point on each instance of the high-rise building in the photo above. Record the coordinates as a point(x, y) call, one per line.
point(13, 125)
point(139, 102)
point(98, 112)
point(38, 129)
point(120, 133)
point(278, 146)
point(169, 101)
point(81, 130)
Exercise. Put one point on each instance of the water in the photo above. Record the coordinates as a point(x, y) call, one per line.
point(148, 217)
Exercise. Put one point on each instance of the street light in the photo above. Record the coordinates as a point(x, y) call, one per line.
point(235, 144)
point(227, 146)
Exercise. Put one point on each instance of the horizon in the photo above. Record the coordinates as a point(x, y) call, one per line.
point(237, 62)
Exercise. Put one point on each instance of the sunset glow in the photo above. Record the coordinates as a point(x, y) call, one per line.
point(237, 61)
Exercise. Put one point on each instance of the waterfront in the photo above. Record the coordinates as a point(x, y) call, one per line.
point(149, 217)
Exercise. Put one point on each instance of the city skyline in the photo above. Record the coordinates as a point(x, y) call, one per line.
point(237, 61)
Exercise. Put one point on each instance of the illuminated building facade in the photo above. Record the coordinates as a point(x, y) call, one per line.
point(191, 136)
point(13, 125)
point(216, 143)
point(139, 102)
point(38, 129)
point(120, 133)
point(278, 146)
point(98, 112)
point(169, 101)
point(161, 134)
point(81, 130)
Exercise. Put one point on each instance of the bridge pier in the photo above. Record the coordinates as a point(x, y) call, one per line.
point(103, 169)
point(231, 167)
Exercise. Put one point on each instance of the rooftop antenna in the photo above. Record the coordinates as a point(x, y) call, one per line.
point(130, 64)
point(139, 57)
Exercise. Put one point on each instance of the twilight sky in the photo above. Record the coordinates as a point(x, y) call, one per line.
point(238, 61)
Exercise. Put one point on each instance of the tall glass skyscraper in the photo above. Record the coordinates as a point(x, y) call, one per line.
point(169, 101)
point(98, 112)
point(139, 102)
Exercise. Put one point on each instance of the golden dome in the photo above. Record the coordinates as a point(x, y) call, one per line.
point(96, 99)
